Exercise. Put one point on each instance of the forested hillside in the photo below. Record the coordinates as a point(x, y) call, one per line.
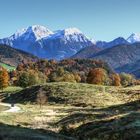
point(13, 57)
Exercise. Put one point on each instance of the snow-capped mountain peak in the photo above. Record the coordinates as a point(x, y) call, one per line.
point(19, 33)
point(70, 35)
point(67, 32)
point(134, 37)
point(41, 42)
point(41, 31)
point(93, 41)
point(71, 31)
point(36, 30)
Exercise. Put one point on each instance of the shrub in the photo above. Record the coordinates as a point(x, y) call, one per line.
point(41, 98)
point(126, 79)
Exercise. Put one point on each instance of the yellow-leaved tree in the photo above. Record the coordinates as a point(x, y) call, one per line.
point(4, 78)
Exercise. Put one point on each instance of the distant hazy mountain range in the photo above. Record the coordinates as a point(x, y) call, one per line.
point(133, 38)
point(122, 54)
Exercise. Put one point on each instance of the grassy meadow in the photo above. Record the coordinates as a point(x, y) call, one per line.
point(74, 111)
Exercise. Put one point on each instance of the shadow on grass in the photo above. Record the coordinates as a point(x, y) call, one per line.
point(29, 95)
point(118, 122)
point(126, 127)
point(83, 114)
point(122, 108)
point(8, 132)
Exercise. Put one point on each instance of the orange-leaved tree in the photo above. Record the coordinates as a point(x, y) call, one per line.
point(116, 80)
point(4, 78)
point(97, 76)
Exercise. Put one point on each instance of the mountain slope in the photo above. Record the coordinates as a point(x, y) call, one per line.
point(133, 68)
point(11, 56)
point(25, 39)
point(64, 43)
point(42, 42)
point(100, 45)
point(120, 55)
point(115, 42)
point(133, 38)
point(87, 52)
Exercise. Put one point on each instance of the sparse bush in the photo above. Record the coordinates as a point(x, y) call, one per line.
point(41, 98)
point(126, 79)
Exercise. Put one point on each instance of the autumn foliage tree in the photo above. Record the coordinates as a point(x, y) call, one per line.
point(23, 80)
point(77, 77)
point(97, 76)
point(20, 67)
point(116, 80)
point(68, 77)
point(30, 78)
point(4, 78)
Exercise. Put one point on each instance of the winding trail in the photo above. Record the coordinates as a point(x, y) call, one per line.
point(12, 109)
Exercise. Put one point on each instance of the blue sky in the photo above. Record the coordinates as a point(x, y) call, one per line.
point(98, 19)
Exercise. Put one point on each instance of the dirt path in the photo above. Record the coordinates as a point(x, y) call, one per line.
point(12, 109)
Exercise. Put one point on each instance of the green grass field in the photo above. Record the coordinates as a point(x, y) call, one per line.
point(77, 94)
point(9, 90)
point(8, 67)
point(12, 89)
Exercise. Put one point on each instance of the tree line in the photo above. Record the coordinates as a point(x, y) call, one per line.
point(70, 70)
